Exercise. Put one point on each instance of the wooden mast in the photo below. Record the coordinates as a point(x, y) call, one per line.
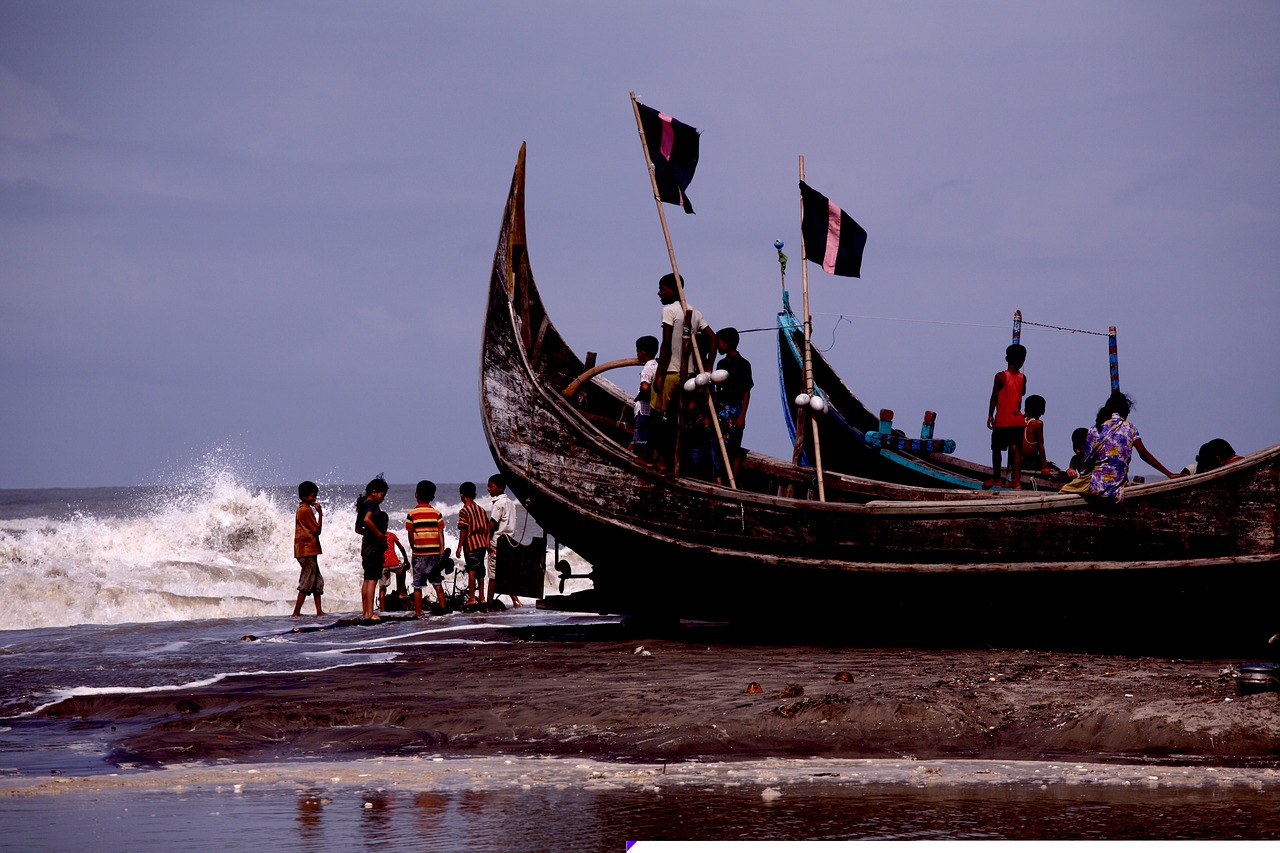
point(808, 360)
point(675, 269)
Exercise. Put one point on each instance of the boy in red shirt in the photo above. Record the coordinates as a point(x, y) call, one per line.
point(1005, 418)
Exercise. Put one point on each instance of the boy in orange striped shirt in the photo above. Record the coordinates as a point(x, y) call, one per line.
point(425, 526)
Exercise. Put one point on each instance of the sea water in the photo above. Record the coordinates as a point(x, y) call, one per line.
point(212, 547)
point(111, 590)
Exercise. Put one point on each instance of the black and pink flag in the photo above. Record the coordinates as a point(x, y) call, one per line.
point(831, 237)
point(673, 148)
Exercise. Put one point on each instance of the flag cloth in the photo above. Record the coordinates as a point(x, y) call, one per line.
point(673, 148)
point(831, 237)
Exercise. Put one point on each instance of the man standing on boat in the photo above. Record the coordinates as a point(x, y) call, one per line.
point(674, 357)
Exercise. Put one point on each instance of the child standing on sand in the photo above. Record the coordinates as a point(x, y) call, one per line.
point(473, 542)
point(307, 522)
point(393, 562)
point(373, 542)
point(1005, 418)
point(425, 526)
point(502, 521)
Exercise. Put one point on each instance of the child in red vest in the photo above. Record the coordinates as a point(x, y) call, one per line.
point(1005, 418)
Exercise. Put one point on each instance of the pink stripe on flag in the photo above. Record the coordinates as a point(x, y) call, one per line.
point(668, 136)
point(833, 238)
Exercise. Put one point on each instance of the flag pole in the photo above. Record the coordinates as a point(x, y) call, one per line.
point(684, 306)
point(808, 357)
point(1113, 361)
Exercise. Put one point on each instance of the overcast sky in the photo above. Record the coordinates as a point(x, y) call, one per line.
point(262, 231)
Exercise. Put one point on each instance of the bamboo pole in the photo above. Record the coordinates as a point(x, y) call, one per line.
point(675, 269)
point(808, 356)
point(1113, 360)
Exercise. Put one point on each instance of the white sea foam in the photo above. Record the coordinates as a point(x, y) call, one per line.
point(208, 548)
point(71, 692)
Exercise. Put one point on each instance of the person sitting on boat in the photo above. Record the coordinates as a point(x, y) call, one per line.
point(1079, 436)
point(733, 395)
point(1032, 447)
point(1005, 418)
point(1214, 454)
point(673, 360)
point(1110, 446)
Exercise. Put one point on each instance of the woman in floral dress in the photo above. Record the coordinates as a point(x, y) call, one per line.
point(1110, 446)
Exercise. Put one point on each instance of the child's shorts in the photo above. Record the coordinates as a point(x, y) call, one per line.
point(475, 561)
point(1002, 438)
point(387, 572)
point(310, 581)
point(428, 570)
point(640, 437)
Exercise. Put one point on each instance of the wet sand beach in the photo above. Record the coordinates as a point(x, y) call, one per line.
point(608, 693)
point(489, 739)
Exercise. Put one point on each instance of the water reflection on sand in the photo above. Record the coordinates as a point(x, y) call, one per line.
point(558, 804)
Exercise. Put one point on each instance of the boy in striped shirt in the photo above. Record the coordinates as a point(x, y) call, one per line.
point(425, 526)
point(473, 542)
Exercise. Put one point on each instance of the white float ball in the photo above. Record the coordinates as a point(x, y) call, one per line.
point(702, 379)
point(802, 400)
point(718, 376)
point(690, 385)
point(817, 403)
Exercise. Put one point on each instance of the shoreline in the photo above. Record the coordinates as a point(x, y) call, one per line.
point(776, 775)
point(601, 694)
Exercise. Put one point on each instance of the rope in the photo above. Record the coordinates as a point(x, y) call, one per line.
point(850, 317)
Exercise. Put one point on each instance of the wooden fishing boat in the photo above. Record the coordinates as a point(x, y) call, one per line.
point(1193, 559)
point(852, 435)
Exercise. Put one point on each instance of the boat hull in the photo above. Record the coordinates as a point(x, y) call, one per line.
point(986, 567)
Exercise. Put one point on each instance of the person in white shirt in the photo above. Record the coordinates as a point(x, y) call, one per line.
point(503, 518)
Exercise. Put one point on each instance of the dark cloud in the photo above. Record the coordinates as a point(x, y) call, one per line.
point(268, 226)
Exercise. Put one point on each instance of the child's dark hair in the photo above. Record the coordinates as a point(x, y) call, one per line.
point(499, 481)
point(307, 488)
point(467, 489)
point(377, 484)
point(1035, 405)
point(669, 280)
point(425, 491)
point(648, 345)
point(729, 337)
point(1117, 404)
point(1015, 354)
point(1079, 435)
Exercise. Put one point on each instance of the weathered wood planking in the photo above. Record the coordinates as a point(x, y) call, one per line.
point(1036, 559)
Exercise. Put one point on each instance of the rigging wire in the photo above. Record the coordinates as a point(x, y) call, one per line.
point(849, 318)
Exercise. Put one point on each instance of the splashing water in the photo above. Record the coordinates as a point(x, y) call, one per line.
point(208, 547)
